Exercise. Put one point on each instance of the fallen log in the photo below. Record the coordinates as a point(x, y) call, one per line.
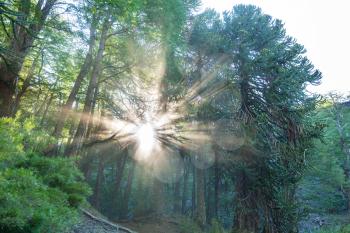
point(115, 226)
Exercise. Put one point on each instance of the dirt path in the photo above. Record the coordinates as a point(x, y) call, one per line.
point(90, 223)
point(153, 227)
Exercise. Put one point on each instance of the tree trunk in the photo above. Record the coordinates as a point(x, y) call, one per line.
point(25, 86)
point(82, 127)
point(177, 197)
point(99, 180)
point(72, 128)
point(125, 209)
point(20, 46)
point(46, 109)
point(193, 202)
point(184, 190)
point(216, 184)
point(84, 70)
point(200, 197)
point(91, 119)
point(120, 167)
point(158, 198)
point(246, 217)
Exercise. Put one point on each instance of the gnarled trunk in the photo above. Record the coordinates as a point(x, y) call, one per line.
point(246, 217)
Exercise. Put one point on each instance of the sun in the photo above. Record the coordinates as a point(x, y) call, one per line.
point(146, 140)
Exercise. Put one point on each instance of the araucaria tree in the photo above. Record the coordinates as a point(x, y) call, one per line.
point(270, 72)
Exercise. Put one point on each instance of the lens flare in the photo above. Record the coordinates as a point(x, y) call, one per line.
point(146, 138)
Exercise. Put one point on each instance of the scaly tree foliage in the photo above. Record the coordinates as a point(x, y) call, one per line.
point(271, 73)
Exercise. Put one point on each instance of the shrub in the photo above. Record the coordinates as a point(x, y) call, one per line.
point(344, 229)
point(216, 227)
point(37, 194)
point(189, 226)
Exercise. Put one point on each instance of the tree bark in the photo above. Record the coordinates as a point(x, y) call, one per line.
point(25, 86)
point(82, 127)
point(46, 109)
point(19, 45)
point(125, 209)
point(193, 202)
point(246, 218)
point(99, 180)
point(120, 165)
point(84, 70)
point(200, 197)
point(91, 119)
point(216, 184)
point(177, 197)
point(184, 190)
point(158, 197)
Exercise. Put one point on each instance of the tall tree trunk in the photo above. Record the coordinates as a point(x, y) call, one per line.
point(84, 70)
point(216, 183)
point(158, 197)
point(125, 209)
point(177, 197)
point(99, 180)
point(72, 127)
point(120, 167)
point(86, 162)
point(46, 109)
point(20, 46)
point(200, 197)
point(185, 189)
point(82, 127)
point(246, 218)
point(41, 105)
point(25, 86)
point(91, 119)
point(193, 202)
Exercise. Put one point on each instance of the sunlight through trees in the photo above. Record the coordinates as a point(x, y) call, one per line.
point(178, 120)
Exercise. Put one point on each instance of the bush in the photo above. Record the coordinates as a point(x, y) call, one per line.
point(37, 194)
point(216, 227)
point(189, 226)
point(344, 229)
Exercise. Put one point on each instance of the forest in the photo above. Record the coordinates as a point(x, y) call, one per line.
point(152, 116)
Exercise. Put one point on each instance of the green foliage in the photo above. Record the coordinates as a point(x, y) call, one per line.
point(252, 73)
point(323, 187)
point(216, 227)
point(189, 226)
point(270, 72)
point(339, 229)
point(37, 194)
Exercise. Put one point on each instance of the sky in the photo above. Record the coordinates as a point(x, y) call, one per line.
point(322, 26)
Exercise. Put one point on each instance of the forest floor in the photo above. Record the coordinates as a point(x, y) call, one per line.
point(168, 225)
point(92, 221)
